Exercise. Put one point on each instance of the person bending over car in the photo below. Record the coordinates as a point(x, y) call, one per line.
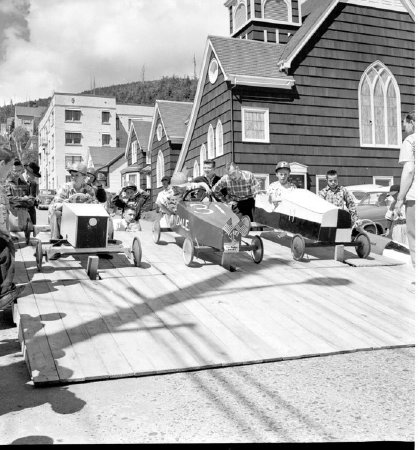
point(75, 191)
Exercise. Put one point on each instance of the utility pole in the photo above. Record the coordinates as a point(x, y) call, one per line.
point(194, 66)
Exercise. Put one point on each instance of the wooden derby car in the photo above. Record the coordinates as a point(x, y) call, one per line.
point(209, 225)
point(84, 228)
point(312, 220)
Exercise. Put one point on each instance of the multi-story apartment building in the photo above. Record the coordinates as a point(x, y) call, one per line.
point(28, 117)
point(75, 122)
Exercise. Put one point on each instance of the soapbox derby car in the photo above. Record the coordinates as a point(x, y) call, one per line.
point(313, 221)
point(209, 225)
point(84, 230)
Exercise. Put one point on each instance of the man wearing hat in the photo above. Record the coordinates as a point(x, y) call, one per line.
point(19, 197)
point(241, 187)
point(339, 196)
point(277, 190)
point(74, 191)
point(168, 200)
point(130, 196)
point(31, 176)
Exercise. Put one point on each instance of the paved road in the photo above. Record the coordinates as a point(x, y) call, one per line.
point(364, 396)
point(353, 397)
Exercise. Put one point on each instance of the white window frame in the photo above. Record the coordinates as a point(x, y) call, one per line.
point(380, 68)
point(289, 11)
point(203, 156)
point(219, 139)
point(317, 178)
point(134, 152)
point(148, 157)
point(264, 176)
point(211, 143)
point(159, 132)
point(234, 11)
point(148, 181)
point(266, 39)
point(213, 71)
point(383, 177)
point(266, 112)
point(196, 169)
point(110, 138)
point(160, 168)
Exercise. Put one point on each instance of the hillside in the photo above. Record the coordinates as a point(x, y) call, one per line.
point(144, 93)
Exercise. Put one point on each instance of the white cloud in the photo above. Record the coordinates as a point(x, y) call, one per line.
point(72, 40)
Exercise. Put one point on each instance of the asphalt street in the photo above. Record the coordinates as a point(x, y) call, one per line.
point(363, 396)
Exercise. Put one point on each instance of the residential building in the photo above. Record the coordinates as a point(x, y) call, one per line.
point(323, 85)
point(125, 114)
point(166, 138)
point(29, 117)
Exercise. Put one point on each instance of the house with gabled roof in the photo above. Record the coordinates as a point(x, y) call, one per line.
point(138, 170)
point(323, 85)
point(166, 138)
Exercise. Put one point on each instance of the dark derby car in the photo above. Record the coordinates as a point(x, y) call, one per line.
point(45, 197)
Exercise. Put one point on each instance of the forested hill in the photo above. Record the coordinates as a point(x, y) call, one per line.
point(139, 92)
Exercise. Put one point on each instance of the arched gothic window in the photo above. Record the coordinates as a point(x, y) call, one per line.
point(203, 156)
point(240, 15)
point(379, 108)
point(160, 168)
point(219, 149)
point(211, 142)
point(277, 10)
point(196, 171)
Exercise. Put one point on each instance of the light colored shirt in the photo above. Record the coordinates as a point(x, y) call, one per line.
point(67, 190)
point(238, 189)
point(123, 225)
point(407, 154)
point(342, 198)
point(276, 191)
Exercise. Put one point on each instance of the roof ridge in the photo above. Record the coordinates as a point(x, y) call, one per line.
point(252, 41)
point(173, 101)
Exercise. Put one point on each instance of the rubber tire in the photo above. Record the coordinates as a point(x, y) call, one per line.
point(364, 246)
point(39, 255)
point(137, 251)
point(156, 231)
point(298, 247)
point(258, 253)
point(188, 251)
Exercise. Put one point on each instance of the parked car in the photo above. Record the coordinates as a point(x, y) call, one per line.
point(361, 190)
point(373, 206)
point(45, 197)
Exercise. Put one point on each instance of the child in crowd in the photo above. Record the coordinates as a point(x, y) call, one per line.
point(128, 222)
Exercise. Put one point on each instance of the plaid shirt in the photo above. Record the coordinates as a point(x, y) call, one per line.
point(67, 190)
point(4, 213)
point(342, 198)
point(242, 189)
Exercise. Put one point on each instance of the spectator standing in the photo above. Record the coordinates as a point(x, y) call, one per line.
point(31, 176)
point(8, 290)
point(339, 196)
point(241, 188)
point(396, 221)
point(407, 187)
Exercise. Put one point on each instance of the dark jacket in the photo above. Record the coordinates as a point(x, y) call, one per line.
point(210, 183)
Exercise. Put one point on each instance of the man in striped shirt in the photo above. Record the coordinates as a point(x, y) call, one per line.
point(241, 187)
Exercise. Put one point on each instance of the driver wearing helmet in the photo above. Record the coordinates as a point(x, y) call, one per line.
point(168, 199)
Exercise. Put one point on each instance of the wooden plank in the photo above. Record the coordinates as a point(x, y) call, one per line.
point(35, 346)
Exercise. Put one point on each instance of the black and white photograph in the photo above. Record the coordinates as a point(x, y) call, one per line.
point(207, 222)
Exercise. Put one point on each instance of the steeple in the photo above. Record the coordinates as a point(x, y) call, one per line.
point(273, 21)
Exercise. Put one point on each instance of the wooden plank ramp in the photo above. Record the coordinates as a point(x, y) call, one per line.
point(164, 317)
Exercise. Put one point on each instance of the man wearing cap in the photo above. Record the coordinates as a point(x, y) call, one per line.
point(130, 196)
point(241, 187)
point(74, 191)
point(19, 197)
point(277, 190)
point(339, 196)
point(170, 198)
point(31, 176)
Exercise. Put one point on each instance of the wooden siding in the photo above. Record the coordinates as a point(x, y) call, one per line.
point(318, 124)
point(295, 10)
point(215, 104)
point(257, 9)
point(248, 9)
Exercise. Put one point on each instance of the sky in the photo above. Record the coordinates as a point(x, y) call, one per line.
point(61, 45)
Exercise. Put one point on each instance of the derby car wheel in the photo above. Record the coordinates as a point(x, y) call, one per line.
point(39, 255)
point(363, 245)
point(298, 247)
point(246, 228)
point(156, 231)
point(137, 252)
point(258, 252)
point(188, 251)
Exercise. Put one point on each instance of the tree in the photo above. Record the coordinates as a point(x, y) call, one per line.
point(20, 137)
